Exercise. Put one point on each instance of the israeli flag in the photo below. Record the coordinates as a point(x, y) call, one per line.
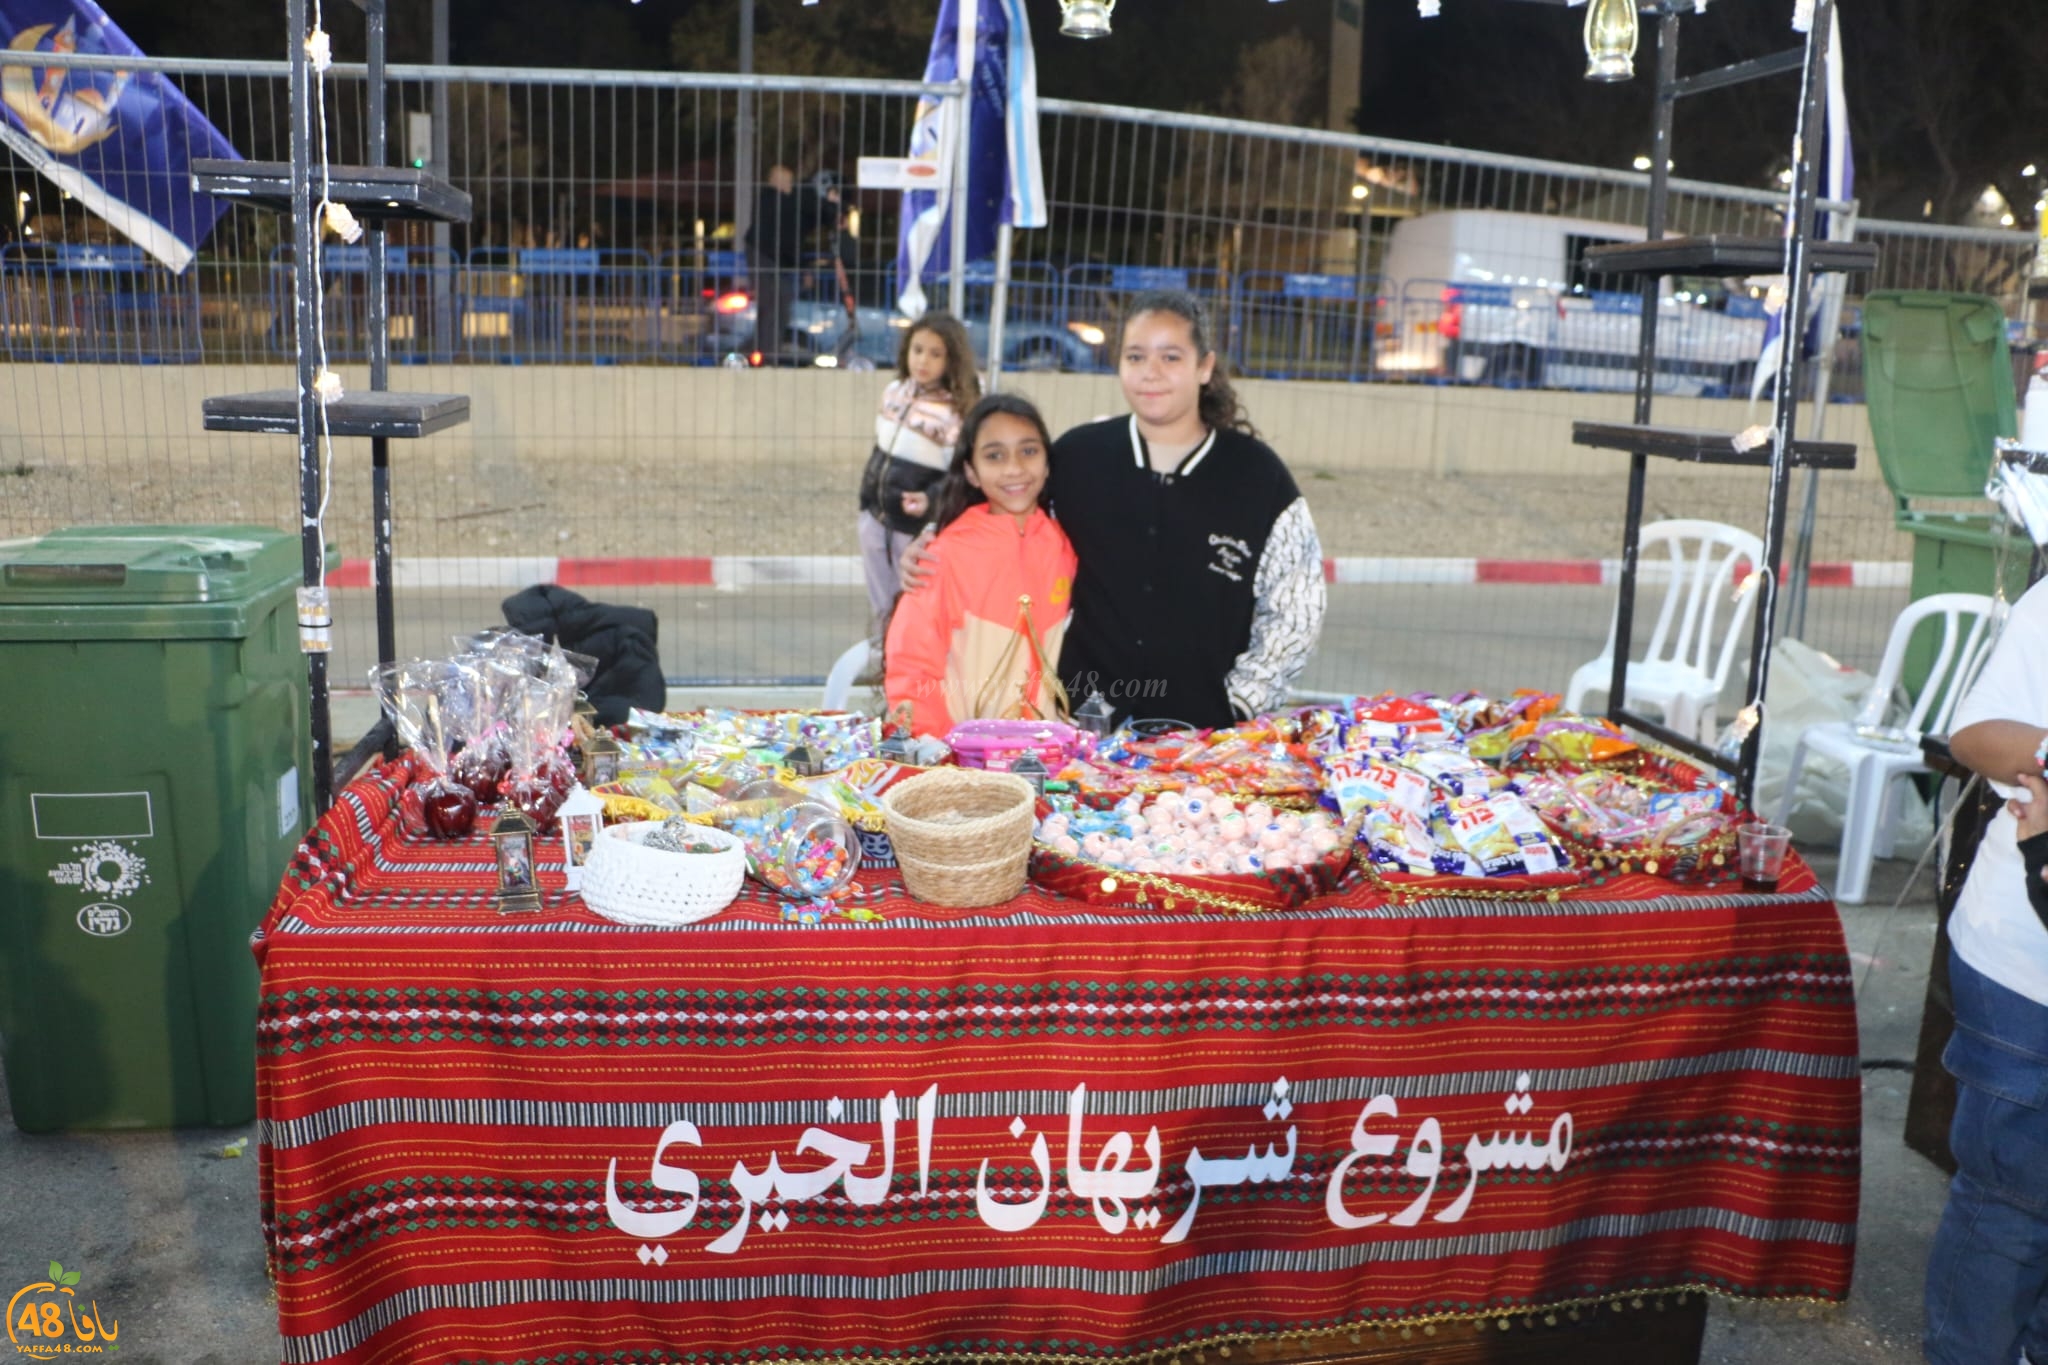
point(118, 142)
point(1005, 180)
point(1838, 182)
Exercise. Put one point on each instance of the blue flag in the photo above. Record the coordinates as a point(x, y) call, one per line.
point(1005, 181)
point(1837, 182)
point(120, 142)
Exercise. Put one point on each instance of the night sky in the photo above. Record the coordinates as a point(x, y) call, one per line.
point(1946, 96)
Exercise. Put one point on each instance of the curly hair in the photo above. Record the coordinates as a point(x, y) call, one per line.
point(961, 379)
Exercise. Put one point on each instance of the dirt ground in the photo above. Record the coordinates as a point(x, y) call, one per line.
point(637, 503)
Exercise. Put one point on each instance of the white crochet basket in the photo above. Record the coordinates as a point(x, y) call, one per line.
point(629, 882)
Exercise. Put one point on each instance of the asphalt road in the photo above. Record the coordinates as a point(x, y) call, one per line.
point(1486, 638)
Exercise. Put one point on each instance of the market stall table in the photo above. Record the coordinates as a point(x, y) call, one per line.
point(1044, 1129)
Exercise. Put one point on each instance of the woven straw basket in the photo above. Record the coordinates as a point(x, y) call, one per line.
point(629, 882)
point(962, 836)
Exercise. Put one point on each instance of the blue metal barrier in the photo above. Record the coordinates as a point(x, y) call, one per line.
point(692, 326)
point(1035, 334)
point(559, 305)
point(96, 303)
point(1302, 326)
point(1097, 295)
point(421, 301)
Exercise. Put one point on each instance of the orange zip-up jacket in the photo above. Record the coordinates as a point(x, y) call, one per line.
point(947, 639)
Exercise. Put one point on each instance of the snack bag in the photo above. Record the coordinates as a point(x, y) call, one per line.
point(1396, 720)
point(1402, 840)
point(1503, 836)
point(1359, 783)
point(1451, 770)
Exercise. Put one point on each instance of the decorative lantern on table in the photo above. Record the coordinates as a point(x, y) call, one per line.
point(804, 761)
point(1096, 716)
point(601, 761)
point(582, 820)
point(1032, 769)
point(512, 839)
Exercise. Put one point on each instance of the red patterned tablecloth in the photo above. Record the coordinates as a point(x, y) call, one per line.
point(981, 1133)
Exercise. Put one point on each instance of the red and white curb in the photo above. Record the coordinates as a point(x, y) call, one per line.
point(732, 573)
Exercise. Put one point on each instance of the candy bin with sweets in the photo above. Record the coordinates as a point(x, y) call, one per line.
point(417, 695)
point(799, 846)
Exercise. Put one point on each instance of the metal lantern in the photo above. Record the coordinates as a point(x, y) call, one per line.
point(1611, 40)
point(1096, 716)
point(1085, 18)
point(600, 761)
point(582, 820)
point(512, 839)
point(1031, 768)
point(804, 761)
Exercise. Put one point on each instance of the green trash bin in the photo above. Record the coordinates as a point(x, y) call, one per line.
point(1938, 387)
point(154, 781)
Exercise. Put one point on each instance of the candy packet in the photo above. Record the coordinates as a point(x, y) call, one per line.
point(1503, 836)
point(1452, 770)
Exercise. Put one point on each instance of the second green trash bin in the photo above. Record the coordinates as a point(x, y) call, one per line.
point(154, 782)
point(1937, 380)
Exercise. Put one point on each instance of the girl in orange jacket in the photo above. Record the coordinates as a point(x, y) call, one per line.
point(969, 644)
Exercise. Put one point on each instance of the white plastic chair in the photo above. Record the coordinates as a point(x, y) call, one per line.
point(1692, 649)
point(1876, 763)
point(845, 668)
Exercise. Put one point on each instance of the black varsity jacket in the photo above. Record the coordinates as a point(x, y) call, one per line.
point(1200, 593)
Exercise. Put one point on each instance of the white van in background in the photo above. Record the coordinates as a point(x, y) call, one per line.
point(1477, 296)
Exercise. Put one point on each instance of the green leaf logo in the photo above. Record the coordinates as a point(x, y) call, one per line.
point(72, 1278)
point(56, 1270)
point(59, 1274)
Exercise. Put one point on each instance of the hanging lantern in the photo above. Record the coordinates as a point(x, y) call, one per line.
point(1611, 40)
point(1085, 18)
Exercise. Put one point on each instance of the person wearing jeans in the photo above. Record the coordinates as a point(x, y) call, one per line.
point(1987, 1275)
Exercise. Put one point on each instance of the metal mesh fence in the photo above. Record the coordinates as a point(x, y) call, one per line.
point(1414, 328)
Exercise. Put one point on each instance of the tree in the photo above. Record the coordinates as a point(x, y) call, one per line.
point(870, 38)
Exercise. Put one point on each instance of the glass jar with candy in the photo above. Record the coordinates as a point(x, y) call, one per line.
point(797, 846)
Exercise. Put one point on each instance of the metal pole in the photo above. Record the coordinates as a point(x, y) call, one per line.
point(743, 148)
point(1812, 86)
point(1646, 358)
point(1841, 228)
point(443, 238)
point(379, 310)
point(305, 302)
point(956, 270)
point(999, 308)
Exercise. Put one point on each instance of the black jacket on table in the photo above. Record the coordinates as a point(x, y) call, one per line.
point(1200, 593)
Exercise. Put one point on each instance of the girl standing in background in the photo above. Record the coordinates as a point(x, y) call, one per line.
point(915, 430)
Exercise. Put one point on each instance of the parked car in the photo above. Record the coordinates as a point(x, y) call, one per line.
point(818, 335)
point(1482, 297)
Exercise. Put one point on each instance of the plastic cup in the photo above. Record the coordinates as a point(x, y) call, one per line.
point(1760, 855)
